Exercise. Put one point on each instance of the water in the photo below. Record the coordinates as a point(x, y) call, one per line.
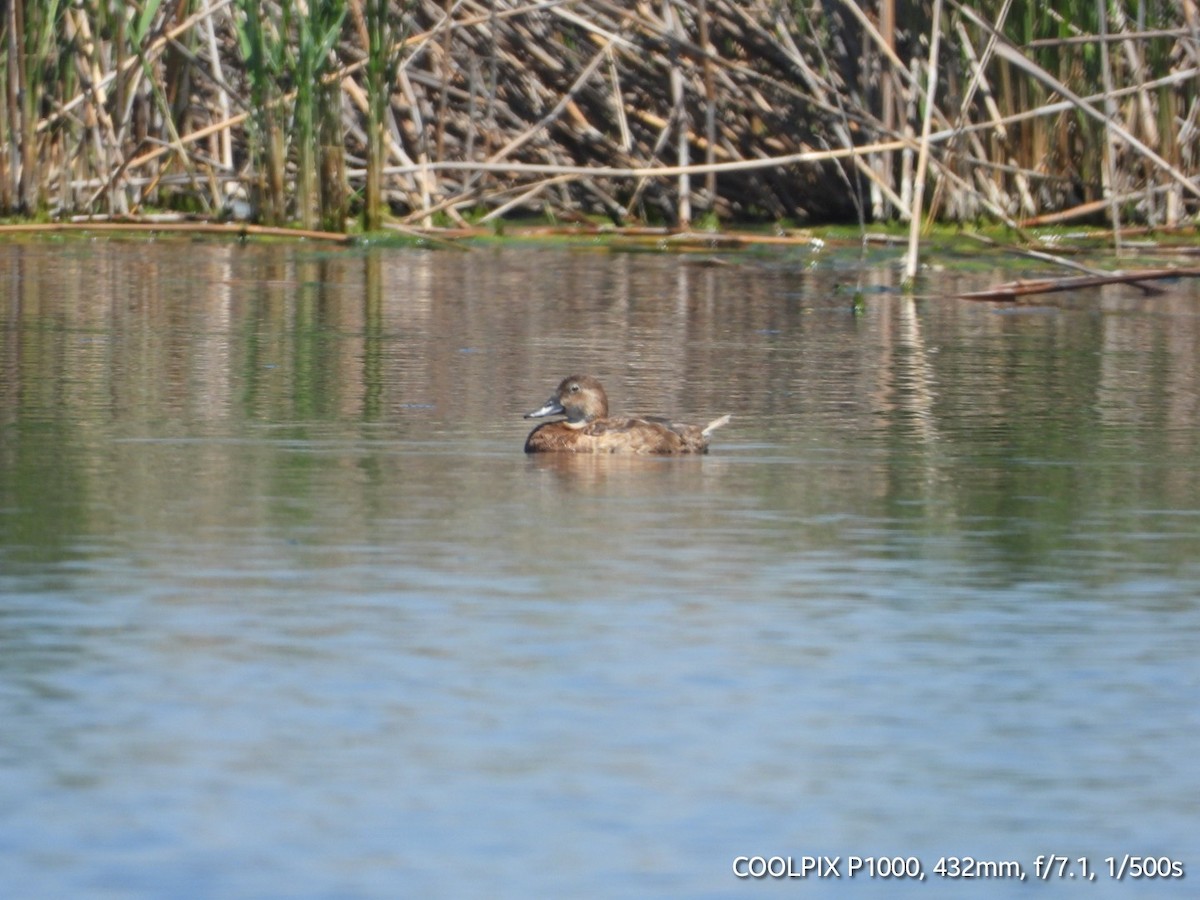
point(286, 612)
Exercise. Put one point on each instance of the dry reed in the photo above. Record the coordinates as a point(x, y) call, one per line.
point(432, 111)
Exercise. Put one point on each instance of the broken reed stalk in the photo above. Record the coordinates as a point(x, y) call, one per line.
point(710, 111)
point(912, 258)
point(1110, 112)
point(742, 165)
point(679, 116)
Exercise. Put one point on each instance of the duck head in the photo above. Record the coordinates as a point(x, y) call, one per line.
point(580, 398)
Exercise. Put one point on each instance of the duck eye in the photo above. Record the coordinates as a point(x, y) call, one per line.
point(574, 389)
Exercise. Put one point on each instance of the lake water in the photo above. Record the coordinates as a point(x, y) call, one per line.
point(286, 612)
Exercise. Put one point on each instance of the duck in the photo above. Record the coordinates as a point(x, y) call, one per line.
point(588, 428)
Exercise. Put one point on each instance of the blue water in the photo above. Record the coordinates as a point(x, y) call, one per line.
point(285, 611)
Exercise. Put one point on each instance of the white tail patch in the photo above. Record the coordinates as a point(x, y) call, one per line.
point(714, 425)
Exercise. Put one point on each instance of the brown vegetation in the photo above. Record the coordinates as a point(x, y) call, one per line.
point(440, 111)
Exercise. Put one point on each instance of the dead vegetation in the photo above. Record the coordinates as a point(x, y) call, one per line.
point(444, 112)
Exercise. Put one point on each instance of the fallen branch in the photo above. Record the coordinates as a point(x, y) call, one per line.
point(1013, 289)
point(236, 229)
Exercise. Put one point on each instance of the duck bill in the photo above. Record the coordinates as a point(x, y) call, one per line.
point(551, 408)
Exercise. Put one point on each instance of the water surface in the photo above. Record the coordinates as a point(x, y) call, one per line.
point(285, 610)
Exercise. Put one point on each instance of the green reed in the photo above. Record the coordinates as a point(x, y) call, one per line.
point(317, 108)
point(32, 62)
point(262, 45)
point(291, 44)
point(1129, 58)
point(384, 39)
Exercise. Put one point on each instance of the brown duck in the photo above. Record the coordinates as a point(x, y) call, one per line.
point(588, 428)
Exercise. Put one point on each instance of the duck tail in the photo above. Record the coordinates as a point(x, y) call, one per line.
point(714, 425)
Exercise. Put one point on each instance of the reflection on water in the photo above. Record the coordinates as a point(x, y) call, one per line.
point(285, 610)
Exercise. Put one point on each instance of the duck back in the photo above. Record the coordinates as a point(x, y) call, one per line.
point(622, 435)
